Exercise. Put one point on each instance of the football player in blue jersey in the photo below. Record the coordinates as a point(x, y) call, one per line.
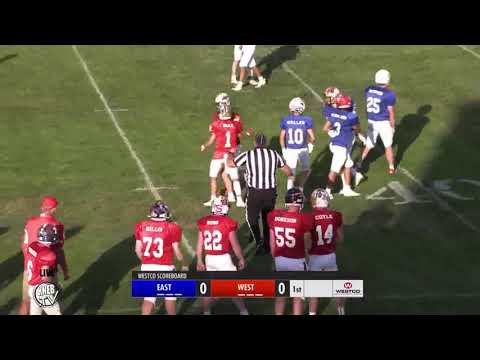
point(296, 139)
point(380, 102)
point(342, 125)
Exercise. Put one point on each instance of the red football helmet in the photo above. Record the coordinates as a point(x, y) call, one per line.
point(343, 102)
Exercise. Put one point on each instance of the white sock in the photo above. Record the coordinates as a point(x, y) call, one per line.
point(391, 167)
point(341, 310)
point(289, 183)
point(260, 78)
point(244, 312)
point(312, 313)
point(237, 188)
point(207, 313)
point(347, 187)
point(343, 180)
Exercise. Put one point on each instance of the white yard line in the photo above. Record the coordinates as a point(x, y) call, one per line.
point(158, 188)
point(121, 132)
point(114, 110)
point(477, 55)
point(442, 203)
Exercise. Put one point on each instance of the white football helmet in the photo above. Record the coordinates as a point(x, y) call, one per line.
point(320, 198)
point(220, 205)
point(382, 77)
point(222, 101)
point(331, 93)
point(297, 105)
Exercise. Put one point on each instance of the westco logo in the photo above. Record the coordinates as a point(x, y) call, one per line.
point(347, 285)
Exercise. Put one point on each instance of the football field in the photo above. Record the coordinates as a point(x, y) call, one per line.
point(109, 129)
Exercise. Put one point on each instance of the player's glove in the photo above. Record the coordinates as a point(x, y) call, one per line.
point(202, 148)
point(310, 148)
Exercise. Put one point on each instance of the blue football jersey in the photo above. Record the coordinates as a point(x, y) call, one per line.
point(343, 123)
point(296, 130)
point(378, 99)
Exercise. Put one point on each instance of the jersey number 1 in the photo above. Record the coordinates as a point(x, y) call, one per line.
point(227, 142)
point(328, 236)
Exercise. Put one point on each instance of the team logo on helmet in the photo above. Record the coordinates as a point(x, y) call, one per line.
point(320, 198)
point(48, 234)
point(295, 197)
point(220, 205)
point(222, 102)
point(160, 211)
point(297, 105)
point(331, 93)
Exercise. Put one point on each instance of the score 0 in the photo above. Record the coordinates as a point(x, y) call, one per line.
point(203, 288)
point(282, 288)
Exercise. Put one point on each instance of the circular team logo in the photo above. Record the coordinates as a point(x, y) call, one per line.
point(46, 294)
point(347, 285)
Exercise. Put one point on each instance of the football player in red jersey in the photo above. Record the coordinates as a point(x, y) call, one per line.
point(226, 129)
point(288, 229)
point(41, 258)
point(326, 233)
point(48, 207)
point(216, 238)
point(157, 239)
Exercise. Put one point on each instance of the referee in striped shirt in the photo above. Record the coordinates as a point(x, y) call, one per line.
point(261, 167)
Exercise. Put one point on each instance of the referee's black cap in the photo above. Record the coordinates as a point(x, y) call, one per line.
point(260, 139)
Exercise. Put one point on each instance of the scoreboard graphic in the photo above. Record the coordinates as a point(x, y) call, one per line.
point(229, 284)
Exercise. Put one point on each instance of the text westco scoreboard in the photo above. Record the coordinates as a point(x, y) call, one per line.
point(229, 284)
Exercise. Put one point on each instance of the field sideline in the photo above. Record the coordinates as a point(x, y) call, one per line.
point(93, 124)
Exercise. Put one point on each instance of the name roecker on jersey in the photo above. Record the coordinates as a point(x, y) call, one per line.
point(325, 225)
point(289, 229)
point(378, 99)
point(296, 130)
point(215, 230)
point(342, 123)
point(226, 135)
point(157, 238)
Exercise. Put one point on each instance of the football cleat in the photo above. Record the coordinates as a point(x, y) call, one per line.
point(348, 192)
point(240, 203)
point(329, 192)
point(391, 171)
point(253, 82)
point(358, 178)
point(231, 197)
point(208, 203)
point(238, 86)
point(261, 82)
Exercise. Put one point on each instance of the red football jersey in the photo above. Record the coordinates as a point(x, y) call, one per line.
point(215, 230)
point(289, 229)
point(325, 225)
point(38, 257)
point(157, 238)
point(226, 136)
point(31, 231)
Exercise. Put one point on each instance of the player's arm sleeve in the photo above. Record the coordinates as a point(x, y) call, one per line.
point(283, 125)
point(391, 99)
point(240, 159)
point(309, 123)
point(177, 234)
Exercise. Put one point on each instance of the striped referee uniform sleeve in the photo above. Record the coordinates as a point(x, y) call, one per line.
point(241, 159)
point(280, 161)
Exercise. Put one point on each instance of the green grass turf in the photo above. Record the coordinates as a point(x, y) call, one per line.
point(414, 258)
